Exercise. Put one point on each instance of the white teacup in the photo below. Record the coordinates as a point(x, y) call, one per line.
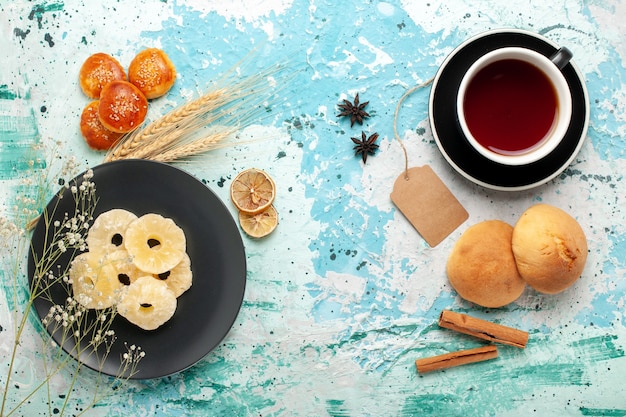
point(540, 146)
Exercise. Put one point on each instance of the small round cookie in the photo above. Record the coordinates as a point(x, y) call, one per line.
point(481, 267)
point(550, 248)
point(147, 303)
point(123, 107)
point(152, 72)
point(94, 282)
point(108, 231)
point(179, 278)
point(97, 71)
point(94, 133)
point(156, 243)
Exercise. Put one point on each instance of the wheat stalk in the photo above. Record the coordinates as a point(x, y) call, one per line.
point(163, 129)
point(195, 147)
point(231, 104)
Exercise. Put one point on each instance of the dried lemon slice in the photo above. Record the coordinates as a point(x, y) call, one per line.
point(252, 191)
point(259, 224)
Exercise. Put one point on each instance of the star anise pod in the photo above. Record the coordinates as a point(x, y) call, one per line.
point(365, 146)
point(354, 110)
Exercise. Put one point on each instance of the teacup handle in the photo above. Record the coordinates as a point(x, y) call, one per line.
point(561, 57)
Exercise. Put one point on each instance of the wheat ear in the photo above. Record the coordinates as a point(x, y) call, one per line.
point(230, 103)
point(162, 131)
point(195, 147)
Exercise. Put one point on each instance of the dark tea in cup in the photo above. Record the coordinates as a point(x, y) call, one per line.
point(510, 106)
point(514, 105)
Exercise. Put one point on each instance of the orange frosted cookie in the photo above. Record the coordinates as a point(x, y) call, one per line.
point(123, 107)
point(152, 72)
point(97, 71)
point(95, 134)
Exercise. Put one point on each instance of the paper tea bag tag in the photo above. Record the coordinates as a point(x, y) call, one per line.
point(428, 204)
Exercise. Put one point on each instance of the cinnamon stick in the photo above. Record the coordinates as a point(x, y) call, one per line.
point(483, 329)
point(461, 357)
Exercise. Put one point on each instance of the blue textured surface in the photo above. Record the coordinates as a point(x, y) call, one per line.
point(345, 295)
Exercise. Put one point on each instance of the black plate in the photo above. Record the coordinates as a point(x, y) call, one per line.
point(206, 312)
point(455, 147)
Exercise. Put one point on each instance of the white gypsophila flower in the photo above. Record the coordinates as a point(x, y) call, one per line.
point(84, 299)
point(69, 167)
point(88, 174)
point(74, 238)
point(8, 229)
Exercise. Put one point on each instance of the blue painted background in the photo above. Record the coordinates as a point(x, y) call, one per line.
point(345, 295)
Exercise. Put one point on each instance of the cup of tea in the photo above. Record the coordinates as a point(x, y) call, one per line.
point(514, 105)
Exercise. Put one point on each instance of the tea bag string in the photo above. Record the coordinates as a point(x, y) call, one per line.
point(395, 122)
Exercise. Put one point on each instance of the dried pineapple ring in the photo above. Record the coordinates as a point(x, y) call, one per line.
point(108, 231)
point(179, 278)
point(94, 282)
point(125, 270)
point(156, 243)
point(147, 303)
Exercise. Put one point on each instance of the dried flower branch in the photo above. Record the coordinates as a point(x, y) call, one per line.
point(67, 323)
